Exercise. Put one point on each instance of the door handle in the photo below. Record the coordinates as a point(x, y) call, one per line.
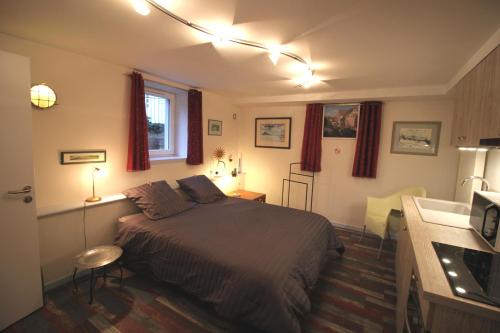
point(26, 189)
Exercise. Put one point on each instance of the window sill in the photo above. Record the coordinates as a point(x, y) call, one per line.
point(167, 158)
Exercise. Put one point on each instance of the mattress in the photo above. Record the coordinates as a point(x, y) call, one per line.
point(253, 262)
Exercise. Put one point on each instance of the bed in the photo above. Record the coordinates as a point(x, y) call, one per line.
point(253, 262)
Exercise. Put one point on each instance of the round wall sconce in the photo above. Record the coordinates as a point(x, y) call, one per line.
point(42, 96)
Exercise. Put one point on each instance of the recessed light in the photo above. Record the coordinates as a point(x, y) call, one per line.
point(460, 290)
point(446, 260)
point(141, 7)
point(452, 273)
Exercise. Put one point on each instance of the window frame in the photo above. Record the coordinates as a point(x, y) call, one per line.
point(161, 153)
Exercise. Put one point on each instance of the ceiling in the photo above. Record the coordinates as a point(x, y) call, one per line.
point(352, 44)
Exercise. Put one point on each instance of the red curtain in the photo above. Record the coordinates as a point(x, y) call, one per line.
point(311, 143)
point(195, 128)
point(367, 145)
point(138, 150)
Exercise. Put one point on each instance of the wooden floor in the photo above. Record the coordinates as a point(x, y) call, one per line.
point(355, 293)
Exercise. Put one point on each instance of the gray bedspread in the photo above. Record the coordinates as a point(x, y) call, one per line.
point(254, 262)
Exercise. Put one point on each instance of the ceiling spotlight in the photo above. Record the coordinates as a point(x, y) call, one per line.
point(274, 53)
point(141, 7)
point(308, 79)
point(221, 36)
point(219, 40)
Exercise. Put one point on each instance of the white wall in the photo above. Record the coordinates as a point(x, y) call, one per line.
point(92, 113)
point(471, 163)
point(492, 172)
point(338, 195)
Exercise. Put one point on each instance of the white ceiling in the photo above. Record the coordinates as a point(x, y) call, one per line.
point(353, 44)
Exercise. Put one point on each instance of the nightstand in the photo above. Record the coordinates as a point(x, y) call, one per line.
point(248, 195)
point(97, 258)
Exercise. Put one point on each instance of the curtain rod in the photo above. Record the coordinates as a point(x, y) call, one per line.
point(167, 84)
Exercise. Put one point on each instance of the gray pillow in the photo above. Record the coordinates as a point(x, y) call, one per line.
point(157, 200)
point(201, 189)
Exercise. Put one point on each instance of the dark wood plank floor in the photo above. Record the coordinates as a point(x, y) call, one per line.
point(355, 293)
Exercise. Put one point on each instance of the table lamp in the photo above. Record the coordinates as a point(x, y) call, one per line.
point(94, 198)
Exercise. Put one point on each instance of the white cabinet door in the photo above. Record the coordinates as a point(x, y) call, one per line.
point(20, 282)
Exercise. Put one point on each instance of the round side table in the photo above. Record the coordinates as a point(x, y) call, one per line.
point(98, 258)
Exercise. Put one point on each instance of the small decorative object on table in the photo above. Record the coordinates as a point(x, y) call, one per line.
point(248, 195)
point(98, 258)
point(415, 137)
point(219, 154)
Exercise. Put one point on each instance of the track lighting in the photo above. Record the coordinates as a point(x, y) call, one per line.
point(223, 37)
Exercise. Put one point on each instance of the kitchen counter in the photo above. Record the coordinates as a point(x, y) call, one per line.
point(442, 310)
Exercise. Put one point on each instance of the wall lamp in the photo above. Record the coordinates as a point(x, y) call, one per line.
point(42, 96)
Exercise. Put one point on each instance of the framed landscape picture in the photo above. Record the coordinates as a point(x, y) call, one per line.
point(85, 156)
point(416, 138)
point(214, 127)
point(273, 132)
point(340, 120)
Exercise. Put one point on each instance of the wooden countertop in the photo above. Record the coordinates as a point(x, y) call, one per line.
point(436, 288)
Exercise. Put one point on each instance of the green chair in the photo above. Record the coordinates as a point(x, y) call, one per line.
point(379, 209)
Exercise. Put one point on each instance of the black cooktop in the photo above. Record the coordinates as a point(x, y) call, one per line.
point(472, 274)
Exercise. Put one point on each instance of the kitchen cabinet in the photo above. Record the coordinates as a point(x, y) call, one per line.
point(419, 274)
point(491, 116)
point(477, 103)
point(404, 265)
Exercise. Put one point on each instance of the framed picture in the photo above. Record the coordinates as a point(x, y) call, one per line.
point(85, 156)
point(416, 138)
point(340, 120)
point(273, 132)
point(214, 127)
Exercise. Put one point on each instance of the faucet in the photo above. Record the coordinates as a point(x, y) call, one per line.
point(484, 186)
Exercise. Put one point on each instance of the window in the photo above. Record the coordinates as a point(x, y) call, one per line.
point(160, 108)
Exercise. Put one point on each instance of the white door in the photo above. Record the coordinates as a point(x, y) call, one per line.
point(20, 282)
